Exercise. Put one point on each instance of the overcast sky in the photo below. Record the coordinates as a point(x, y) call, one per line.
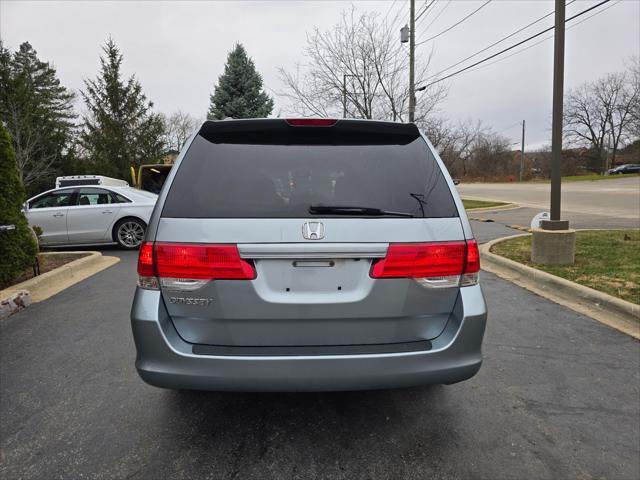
point(178, 49)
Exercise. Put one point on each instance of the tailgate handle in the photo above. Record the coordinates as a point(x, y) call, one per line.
point(314, 263)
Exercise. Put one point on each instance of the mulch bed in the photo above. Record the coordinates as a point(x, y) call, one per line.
point(47, 263)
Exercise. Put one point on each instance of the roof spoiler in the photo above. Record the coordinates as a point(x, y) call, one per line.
point(278, 131)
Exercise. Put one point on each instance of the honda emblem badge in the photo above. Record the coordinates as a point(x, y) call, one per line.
point(313, 230)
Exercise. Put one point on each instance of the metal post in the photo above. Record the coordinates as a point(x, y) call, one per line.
point(412, 47)
point(522, 153)
point(556, 127)
point(344, 95)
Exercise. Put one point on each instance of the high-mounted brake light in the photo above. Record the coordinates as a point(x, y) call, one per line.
point(188, 266)
point(434, 264)
point(311, 122)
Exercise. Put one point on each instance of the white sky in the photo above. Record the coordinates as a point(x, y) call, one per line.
point(178, 49)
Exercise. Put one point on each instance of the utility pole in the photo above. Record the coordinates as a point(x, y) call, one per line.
point(556, 128)
point(522, 153)
point(412, 60)
point(554, 243)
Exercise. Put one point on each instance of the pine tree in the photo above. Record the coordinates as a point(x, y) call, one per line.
point(120, 129)
point(17, 248)
point(239, 91)
point(38, 113)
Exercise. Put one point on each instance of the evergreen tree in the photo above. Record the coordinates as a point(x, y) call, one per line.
point(17, 247)
point(239, 91)
point(38, 113)
point(120, 129)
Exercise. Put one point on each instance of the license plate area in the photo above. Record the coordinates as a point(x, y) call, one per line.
point(330, 280)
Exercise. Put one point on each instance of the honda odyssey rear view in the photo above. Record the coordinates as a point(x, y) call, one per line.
point(308, 254)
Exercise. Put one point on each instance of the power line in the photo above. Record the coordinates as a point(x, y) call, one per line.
point(427, 7)
point(389, 9)
point(499, 41)
point(394, 21)
point(517, 124)
point(456, 24)
point(509, 48)
point(544, 39)
point(438, 15)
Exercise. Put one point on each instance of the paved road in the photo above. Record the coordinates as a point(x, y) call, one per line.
point(557, 397)
point(523, 216)
point(609, 198)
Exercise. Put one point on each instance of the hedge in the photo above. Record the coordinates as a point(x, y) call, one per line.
point(18, 250)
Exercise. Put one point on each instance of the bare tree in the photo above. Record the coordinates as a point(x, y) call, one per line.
point(34, 162)
point(455, 142)
point(178, 128)
point(601, 114)
point(633, 130)
point(359, 65)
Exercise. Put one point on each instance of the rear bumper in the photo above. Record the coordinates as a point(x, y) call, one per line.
point(165, 360)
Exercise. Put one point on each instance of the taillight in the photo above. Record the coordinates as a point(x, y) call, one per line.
point(311, 122)
point(434, 264)
point(188, 266)
point(471, 265)
point(201, 261)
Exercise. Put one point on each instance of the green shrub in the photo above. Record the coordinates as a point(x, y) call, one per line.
point(17, 248)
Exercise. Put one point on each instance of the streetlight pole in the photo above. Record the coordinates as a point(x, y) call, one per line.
point(556, 129)
point(412, 59)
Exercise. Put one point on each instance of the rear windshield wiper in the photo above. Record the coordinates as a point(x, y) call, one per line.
point(350, 210)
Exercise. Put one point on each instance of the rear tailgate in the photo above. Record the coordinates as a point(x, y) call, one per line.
point(310, 293)
point(252, 187)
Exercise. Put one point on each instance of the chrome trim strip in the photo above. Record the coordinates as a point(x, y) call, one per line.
point(312, 250)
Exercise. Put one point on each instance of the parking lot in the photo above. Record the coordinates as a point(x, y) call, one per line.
point(557, 397)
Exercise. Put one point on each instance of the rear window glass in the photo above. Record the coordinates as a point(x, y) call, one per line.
point(249, 180)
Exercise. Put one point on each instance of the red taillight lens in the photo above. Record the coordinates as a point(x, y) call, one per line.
point(428, 260)
point(472, 264)
point(201, 261)
point(145, 260)
point(311, 122)
point(421, 260)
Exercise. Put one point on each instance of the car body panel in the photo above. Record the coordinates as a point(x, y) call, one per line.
point(91, 223)
point(165, 360)
point(53, 222)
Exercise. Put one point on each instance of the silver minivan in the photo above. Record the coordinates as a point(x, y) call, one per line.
point(308, 255)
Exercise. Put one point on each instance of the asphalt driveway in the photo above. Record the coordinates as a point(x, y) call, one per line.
point(557, 397)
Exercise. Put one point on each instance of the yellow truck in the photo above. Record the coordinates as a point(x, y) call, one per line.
point(150, 177)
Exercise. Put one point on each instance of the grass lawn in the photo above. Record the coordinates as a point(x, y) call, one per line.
point(606, 260)
point(471, 204)
point(589, 178)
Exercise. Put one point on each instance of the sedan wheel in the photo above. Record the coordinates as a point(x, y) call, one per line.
point(130, 233)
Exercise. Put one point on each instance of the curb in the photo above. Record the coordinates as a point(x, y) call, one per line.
point(48, 284)
point(508, 206)
point(607, 309)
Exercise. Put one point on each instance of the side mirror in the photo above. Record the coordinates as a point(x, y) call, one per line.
point(456, 181)
point(25, 207)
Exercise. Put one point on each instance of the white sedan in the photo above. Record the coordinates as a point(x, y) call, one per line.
point(91, 215)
